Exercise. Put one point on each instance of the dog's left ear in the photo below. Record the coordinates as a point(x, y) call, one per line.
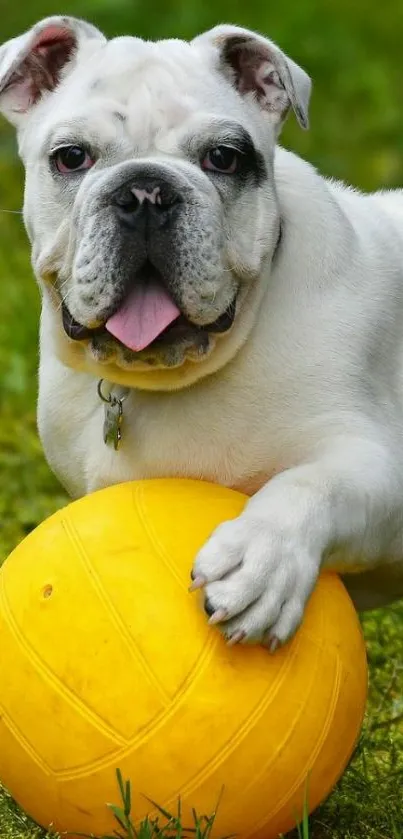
point(256, 65)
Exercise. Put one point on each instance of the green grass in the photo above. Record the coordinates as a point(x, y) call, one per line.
point(353, 51)
point(165, 825)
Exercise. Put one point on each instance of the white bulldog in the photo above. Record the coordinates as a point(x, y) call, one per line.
point(244, 313)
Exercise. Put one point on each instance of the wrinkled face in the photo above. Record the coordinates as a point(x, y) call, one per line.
point(150, 205)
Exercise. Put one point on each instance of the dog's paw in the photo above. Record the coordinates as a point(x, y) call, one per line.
point(257, 577)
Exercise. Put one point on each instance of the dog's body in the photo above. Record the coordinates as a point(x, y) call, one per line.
point(299, 401)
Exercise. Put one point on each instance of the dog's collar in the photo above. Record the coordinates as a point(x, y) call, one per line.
point(113, 396)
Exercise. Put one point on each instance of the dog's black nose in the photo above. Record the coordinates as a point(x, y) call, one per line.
point(153, 196)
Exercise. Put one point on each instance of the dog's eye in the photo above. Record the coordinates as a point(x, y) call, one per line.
point(222, 159)
point(72, 159)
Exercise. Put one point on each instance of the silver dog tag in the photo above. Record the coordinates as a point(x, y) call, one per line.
point(113, 422)
point(113, 415)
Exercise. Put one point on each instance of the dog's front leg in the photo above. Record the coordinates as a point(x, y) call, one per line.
point(259, 569)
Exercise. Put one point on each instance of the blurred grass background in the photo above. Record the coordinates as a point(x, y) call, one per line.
point(353, 53)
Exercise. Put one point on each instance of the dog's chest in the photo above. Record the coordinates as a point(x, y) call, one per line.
point(212, 436)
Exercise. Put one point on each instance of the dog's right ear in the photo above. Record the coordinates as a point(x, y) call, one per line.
point(33, 64)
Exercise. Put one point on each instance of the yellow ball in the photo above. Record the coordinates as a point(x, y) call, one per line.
point(109, 663)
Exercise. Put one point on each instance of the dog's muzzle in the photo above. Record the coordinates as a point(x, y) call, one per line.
point(146, 202)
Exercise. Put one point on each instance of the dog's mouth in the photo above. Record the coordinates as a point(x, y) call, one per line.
point(146, 317)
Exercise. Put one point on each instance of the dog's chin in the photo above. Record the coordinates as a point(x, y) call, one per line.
point(167, 352)
point(180, 342)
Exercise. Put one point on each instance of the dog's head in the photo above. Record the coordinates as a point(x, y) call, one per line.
point(150, 201)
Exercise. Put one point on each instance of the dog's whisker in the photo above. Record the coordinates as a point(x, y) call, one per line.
point(63, 297)
point(63, 286)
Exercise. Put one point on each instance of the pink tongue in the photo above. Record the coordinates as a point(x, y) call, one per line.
point(145, 313)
